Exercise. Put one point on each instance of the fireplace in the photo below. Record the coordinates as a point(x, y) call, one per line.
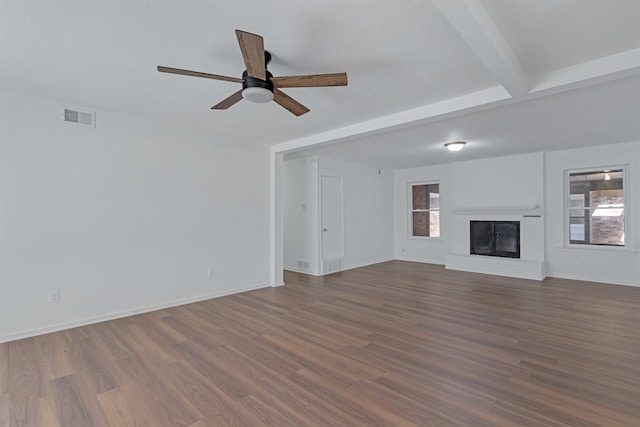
point(495, 238)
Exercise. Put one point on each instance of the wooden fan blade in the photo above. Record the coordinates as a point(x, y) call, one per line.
point(312, 80)
point(197, 74)
point(289, 103)
point(252, 48)
point(226, 103)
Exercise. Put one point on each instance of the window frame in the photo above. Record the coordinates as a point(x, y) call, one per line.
point(629, 243)
point(410, 210)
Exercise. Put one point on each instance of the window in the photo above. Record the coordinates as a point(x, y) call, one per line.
point(596, 207)
point(425, 210)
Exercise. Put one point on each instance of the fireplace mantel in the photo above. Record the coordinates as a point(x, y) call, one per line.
point(532, 209)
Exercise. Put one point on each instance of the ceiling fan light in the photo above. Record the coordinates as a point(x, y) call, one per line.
point(455, 145)
point(257, 94)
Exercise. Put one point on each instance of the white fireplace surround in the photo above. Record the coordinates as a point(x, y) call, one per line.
point(512, 194)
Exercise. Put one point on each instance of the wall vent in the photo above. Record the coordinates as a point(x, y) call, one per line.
point(332, 265)
point(75, 116)
point(303, 265)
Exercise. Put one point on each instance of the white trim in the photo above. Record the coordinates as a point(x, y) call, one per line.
point(604, 280)
point(125, 313)
point(533, 209)
point(410, 210)
point(307, 272)
point(421, 260)
point(276, 245)
point(366, 263)
point(346, 267)
point(273, 218)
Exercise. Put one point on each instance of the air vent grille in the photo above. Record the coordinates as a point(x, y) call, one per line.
point(332, 265)
point(303, 265)
point(82, 118)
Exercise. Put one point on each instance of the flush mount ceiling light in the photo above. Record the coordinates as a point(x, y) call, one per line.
point(455, 145)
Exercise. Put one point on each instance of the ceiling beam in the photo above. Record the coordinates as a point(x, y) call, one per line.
point(472, 21)
point(612, 67)
point(452, 107)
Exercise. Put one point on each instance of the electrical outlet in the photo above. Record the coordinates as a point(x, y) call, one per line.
point(54, 297)
point(211, 273)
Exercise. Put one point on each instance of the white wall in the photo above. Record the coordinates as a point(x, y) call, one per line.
point(300, 214)
point(120, 218)
point(368, 212)
point(592, 263)
point(421, 249)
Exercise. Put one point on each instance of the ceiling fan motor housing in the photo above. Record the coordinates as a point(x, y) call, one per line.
point(257, 90)
point(248, 81)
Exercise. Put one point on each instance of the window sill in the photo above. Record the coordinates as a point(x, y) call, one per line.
point(628, 250)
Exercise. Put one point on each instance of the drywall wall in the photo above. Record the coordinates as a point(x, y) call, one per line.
point(368, 211)
point(421, 249)
point(121, 218)
point(600, 264)
point(300, 215)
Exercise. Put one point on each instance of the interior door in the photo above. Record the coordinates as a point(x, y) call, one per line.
point(331, 217)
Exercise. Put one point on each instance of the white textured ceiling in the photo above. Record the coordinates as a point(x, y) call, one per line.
point(508, 75)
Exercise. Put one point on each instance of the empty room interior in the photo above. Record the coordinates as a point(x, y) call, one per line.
point(320, 213)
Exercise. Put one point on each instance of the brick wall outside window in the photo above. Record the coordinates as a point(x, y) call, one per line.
point(607, 230)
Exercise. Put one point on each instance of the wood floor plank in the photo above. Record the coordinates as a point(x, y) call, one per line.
point(76, 403)
point(56, 355)
point(158, 393)
point(118, 409)
point(46, 413)
point(5, 410)
point(4, 369)
point(26, 373)
point(211, 401)
point(393, 344)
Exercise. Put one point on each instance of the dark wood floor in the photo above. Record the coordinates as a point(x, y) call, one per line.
point(395, 344)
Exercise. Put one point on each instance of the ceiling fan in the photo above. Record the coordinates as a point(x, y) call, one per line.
point(258, 84)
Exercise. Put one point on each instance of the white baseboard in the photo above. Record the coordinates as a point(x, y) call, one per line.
point(118, 314)
point(297, 270)
point(364, 264)
point(604, 280)
point(344, 268)
point(420, 260)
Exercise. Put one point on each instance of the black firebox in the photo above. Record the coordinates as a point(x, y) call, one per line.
point(495, 238)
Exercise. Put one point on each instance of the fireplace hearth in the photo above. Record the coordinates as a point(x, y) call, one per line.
point(495, 238)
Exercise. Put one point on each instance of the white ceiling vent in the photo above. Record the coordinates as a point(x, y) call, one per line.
point(75, 116)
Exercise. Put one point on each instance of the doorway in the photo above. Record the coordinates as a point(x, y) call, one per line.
point(331, 223)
